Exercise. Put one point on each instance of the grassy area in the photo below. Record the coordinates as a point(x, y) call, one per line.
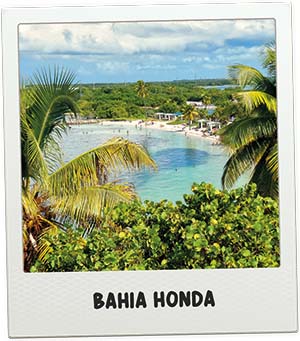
point(195, 124)
point(177, 122)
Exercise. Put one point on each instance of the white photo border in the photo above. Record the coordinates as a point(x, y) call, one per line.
point(60, 304)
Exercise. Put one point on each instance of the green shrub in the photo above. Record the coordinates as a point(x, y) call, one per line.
point(210, 229)
point(169, 106)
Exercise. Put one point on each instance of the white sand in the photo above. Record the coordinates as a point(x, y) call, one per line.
point(162, 125)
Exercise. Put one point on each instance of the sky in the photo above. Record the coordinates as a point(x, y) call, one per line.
point(151, 51)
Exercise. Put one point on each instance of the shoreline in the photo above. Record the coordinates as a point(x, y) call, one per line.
point(157, 125)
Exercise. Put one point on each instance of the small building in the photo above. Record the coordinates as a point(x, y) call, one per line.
point(168, 116)
point(201, 105)
point(213, 125)
point(196, 104)
point(202, 123)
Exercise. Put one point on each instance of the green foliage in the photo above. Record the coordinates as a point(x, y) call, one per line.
point(87, 108)
point(252, 139)
point(141, 89)
point(136, 100)
point(230, 109)
point(169, 107)
point(190, 114)
point(78, 191)
point(210, 229)
point(135, 111)
point(175, 122)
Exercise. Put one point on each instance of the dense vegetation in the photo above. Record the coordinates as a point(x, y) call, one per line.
point(210, 229)
point(142, 100)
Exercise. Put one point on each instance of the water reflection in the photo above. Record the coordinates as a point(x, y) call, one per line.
point(179, 157)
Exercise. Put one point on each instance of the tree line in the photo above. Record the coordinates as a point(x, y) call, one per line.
point(143, 99)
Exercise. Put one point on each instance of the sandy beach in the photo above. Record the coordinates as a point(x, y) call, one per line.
point(160, 125)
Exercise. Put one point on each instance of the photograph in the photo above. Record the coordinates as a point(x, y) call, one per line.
point(149, 145)
point(150, 180)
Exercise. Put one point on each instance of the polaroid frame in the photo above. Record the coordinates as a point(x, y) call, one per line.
point(61, 304)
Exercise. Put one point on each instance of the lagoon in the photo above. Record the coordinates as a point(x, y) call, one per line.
point(181, 160)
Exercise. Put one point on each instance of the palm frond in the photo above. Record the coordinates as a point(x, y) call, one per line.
point(267, 185)
point(87, 168)
point(33, 162)
point(254, 99)
point(90, 203)
point(190, 116)
point(189, 113)
point(245, 75)
point(26, 99)
point(248, 129)
point(272, 162)
point(241, 160)
point(53, 154)
point(43, 245)
point(30, 208)
point(52, 94)
point(249, 76)
point(269, 58)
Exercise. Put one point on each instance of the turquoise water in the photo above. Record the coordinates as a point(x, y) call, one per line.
point(181, 159)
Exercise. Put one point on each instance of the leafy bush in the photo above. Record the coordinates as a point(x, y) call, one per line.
point(169, 106)
point(112, 110)
point(210, 229)
point(135, 111)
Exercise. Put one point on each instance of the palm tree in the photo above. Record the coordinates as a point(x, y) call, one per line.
point(252, 139)
point(141, 89)
point(206, 100)
point(190, 114)
point(78, 192)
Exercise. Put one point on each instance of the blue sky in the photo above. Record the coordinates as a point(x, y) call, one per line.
point(152, 51)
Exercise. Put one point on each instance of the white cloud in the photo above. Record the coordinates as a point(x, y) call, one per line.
point(130, 38)
point(192, 59)
point(166, 50)
point(156, 66)
point(237, 54)
point(112, 66)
